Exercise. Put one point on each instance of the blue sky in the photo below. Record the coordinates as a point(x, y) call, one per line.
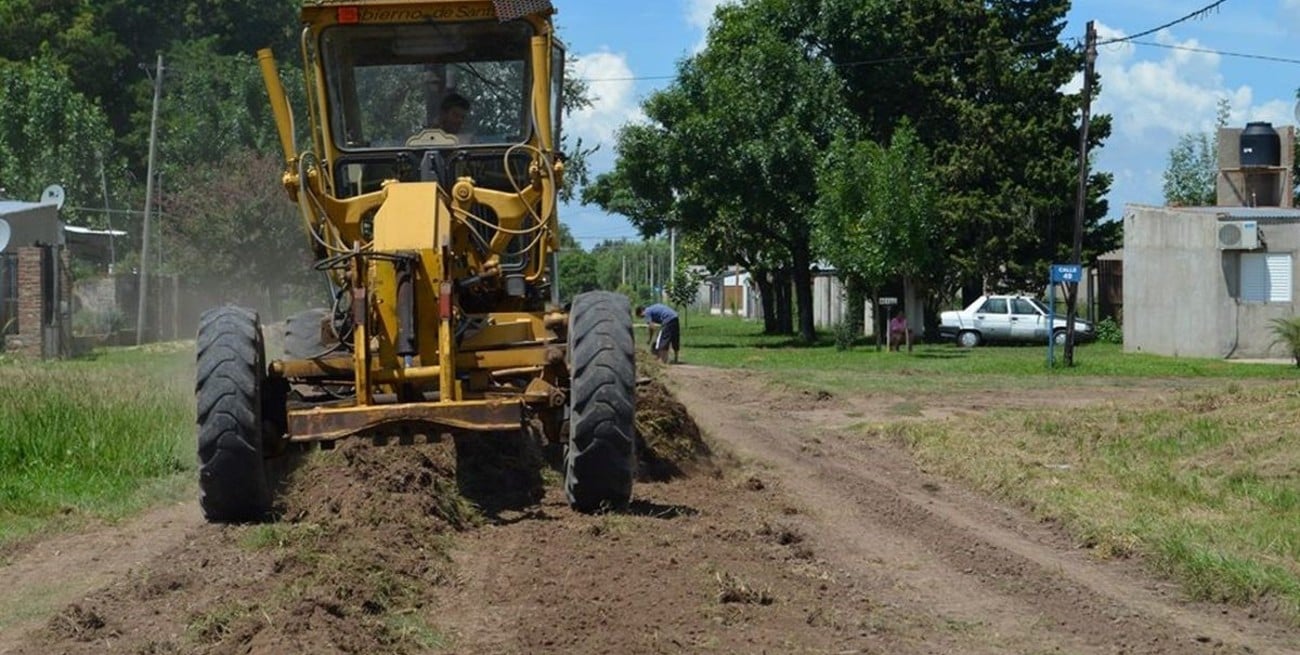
point(1154, 93)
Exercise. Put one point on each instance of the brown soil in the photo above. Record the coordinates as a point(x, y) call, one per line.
point(786, 536)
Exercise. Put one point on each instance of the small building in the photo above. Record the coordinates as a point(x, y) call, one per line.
point(35, 282)
point(1209, 281)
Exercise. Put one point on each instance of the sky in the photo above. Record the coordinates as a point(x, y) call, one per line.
point(1155, 93)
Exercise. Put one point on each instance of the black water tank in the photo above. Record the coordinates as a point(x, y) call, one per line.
point(1260, 145)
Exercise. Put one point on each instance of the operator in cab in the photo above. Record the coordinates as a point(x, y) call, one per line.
point(453, 112)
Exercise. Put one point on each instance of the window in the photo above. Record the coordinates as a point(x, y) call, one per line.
point(1266, 277)
point(994, 306)
point(1023, 306)
point(390, 83)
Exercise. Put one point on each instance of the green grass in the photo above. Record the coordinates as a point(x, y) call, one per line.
point(1203, 483)
point(1206, 487)
point(93, 438)
point(736, 343)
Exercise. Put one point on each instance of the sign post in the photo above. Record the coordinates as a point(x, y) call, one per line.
point(1059, 273)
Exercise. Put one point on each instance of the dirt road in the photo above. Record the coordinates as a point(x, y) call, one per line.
point(793, 536)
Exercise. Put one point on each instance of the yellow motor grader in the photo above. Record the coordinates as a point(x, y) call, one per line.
point(427, 185)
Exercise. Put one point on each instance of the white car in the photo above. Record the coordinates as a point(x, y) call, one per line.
point(1007, 318)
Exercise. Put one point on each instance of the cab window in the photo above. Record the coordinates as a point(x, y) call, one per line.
point(428, 85)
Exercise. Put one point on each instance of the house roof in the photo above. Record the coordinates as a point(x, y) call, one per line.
point(15, 206)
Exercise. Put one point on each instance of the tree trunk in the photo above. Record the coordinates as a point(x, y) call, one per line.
point(876, 325)
point(766, 297)
point(803, 283)
point(856, 297)
point(784, 307)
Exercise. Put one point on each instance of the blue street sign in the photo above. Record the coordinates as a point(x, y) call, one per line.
point(1067, 273)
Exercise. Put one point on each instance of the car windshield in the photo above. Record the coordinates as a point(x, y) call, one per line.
point(1037, 303)
point(428, 85)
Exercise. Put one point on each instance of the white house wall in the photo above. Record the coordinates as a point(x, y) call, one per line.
point(1181, 291)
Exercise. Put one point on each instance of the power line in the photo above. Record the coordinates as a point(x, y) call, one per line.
point(1199, 13)
point(1225, 53)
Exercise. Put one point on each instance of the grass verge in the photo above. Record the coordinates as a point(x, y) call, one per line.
point(1205, 488)
point(98, 437)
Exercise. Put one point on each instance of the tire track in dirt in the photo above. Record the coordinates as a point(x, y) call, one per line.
point(1007, 583)
point(62, 569)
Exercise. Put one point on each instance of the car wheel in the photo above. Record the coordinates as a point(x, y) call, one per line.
point(968, 339)
point(1059, 337)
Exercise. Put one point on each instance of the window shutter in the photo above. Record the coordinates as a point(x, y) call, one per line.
point(1266, 277)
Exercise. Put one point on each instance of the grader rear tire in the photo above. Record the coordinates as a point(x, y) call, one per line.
point(229, 390)
point(600, 460)
point(302, 334)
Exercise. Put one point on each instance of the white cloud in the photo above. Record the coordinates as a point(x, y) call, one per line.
point(613, 98)
point(699, 14)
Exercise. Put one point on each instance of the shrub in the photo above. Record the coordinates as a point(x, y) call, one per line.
point(1286, 331)
point(845, 335)
point(1109, 331)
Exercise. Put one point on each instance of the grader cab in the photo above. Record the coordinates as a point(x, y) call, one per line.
point(427, 185)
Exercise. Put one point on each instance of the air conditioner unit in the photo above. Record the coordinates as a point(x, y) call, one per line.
point(1238, 235)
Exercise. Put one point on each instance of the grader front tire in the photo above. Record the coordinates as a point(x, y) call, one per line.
point(600, 460)
point(229, 390)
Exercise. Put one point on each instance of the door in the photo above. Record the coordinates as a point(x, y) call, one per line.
point(1027, 322)
point(993, 321)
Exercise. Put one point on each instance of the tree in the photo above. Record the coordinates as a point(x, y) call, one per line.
point(683, 287)
point(1190, 176)
point(876, 217)
point(237, 233)
point(49, 133)
point(981, 83)
point(730, 152)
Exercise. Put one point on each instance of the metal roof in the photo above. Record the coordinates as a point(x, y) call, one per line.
point(15, 206)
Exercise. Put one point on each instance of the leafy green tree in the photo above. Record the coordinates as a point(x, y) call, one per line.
point(49, 132)
point(876, 218)
point(683, 287)
point(981, 83)
point(235, 232)
point(729, 155)
point(1189, 178)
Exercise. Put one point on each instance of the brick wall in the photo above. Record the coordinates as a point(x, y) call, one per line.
point(31, 336)
point(28, 342)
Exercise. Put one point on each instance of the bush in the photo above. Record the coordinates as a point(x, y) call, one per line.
point(1108, 331)
point(845, 334)
point(1286, 332)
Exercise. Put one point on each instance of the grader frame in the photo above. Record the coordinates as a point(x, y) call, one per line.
point(439, 250)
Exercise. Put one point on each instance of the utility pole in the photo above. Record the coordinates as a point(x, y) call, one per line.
point(108, 215)
point(148, 207)
point(1081, 200)
point(672, 255)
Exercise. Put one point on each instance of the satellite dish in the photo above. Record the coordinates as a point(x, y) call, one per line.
point(5, 233)
point(53, 195)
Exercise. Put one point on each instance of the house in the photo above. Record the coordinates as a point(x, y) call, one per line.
point(35, 307)
point(1209, 281)
point(36, 286)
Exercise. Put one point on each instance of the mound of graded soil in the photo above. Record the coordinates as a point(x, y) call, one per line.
point(357, 555)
